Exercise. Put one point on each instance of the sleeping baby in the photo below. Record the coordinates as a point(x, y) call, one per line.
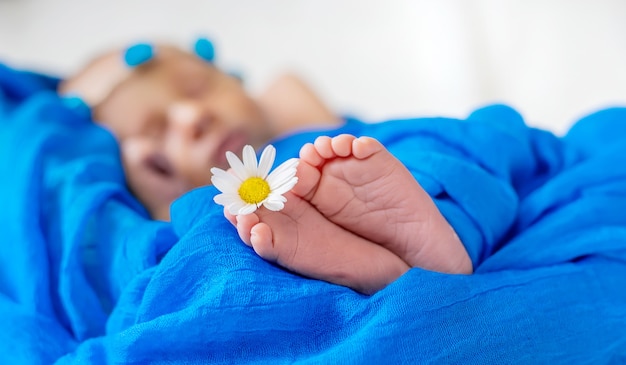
point(175, 115)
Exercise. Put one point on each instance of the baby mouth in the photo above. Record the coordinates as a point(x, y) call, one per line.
point(161, 165)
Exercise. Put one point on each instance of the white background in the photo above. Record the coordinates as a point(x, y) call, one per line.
point(554, 60)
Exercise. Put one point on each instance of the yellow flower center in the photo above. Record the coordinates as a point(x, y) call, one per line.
point(254, 190)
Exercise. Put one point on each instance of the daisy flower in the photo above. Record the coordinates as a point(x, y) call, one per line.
point(249, 185)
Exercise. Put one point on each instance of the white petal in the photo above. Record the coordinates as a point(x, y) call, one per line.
point(283, 174)
point(278, 183)
point(249, 160)
point(286, 186)
point(247, 209)
point(288, 166)
point(274, 204)
point(224, 181)
point(277, 197)
point(236, 207)
point(237, 166)
point(215, 170)
point(267, 160)
point(285, 170)
point(278, 179)
point(226, 199)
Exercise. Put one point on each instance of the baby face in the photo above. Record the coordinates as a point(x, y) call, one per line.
point(175, 117)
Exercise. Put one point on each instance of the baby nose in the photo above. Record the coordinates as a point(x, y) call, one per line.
point(189, 119)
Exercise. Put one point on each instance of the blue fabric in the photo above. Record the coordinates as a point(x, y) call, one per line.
point(86, 277)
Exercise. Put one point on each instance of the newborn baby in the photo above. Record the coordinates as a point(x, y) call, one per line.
point(356, 217)
point(176, 115)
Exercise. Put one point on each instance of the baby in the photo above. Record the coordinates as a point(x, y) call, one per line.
point(356, 217)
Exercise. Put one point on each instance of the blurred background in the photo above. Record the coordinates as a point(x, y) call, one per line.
point(553, 60)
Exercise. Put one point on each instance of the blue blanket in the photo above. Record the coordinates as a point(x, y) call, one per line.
point(87, 277)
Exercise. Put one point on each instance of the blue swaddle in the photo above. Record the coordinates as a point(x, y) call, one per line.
point(87, 277)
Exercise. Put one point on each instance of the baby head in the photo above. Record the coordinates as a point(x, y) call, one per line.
point(174, 115)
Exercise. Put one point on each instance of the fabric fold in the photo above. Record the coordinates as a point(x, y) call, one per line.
point(87, 277)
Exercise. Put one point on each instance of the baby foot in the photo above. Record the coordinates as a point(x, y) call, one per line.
point(357, 184)
point(300, 239)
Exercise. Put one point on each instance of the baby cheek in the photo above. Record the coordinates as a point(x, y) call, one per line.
point(154, 189)
point(253, 121)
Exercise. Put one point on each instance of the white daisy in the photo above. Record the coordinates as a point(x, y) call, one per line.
point(247, 185)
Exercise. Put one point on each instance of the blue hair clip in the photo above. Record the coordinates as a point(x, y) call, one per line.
point(138, 54)
point(204, 49)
